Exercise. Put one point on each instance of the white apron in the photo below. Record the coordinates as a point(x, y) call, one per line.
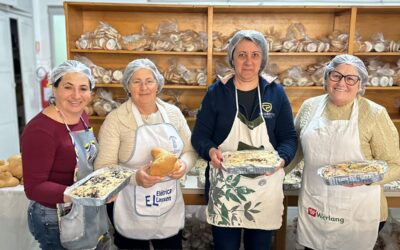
point(156, 212)
point(240, 201)
point(335, 217)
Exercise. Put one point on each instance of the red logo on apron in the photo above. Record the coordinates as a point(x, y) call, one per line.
point(312, 212)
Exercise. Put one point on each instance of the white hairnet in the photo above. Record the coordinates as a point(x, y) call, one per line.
point(137, 64)
point(351, 60)
point(70, 66)
point(251, 35)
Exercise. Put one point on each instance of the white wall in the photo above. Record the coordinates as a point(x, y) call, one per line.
point(42, 27)
point(9, 136)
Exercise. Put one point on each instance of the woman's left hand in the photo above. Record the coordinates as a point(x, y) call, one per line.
point(281, 165)
point(180, 172)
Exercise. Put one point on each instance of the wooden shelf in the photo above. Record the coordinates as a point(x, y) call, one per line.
point(109, 85)
point(166, 86)
point(377, 54)
point(303, 87)
point(97, 118)
point(190, 119)
point(391, 88)
point(137, 52)
point(319, 21)
point(289, 54)
point(187, 87)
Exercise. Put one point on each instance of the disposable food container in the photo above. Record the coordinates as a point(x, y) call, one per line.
point(250, 162)
point(98, 187)
point(348, 173)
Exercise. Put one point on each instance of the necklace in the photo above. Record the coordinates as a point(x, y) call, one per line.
point(146, 117)
point(150, 118)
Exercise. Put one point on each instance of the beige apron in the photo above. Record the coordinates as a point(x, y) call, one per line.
point(335, 217)
point(157, 212)
point(240, 201)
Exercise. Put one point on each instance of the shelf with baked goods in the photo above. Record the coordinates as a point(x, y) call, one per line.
point(166, 86)
point(290, 30)
point(139, 19)
point(377, 32)
point(289, 54)
point(138, 52)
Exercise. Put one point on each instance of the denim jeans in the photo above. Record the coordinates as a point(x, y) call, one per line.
point(226, 238)
point(43, 225)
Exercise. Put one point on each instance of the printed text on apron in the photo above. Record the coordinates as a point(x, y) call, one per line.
point(335, 217)
point(156, 212)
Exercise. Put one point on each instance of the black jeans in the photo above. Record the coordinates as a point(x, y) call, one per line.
point(381, 225)
point(171, 243)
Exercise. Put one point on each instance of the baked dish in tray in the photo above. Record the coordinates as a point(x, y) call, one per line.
point(362, 172)
point(96, 188)
point(250, 161)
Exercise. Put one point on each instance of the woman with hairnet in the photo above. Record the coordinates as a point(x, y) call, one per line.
point(244, 111)
point(150, 208)
point(58, 145)
point(336, 127)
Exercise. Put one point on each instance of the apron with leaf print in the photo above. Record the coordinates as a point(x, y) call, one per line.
point(157, 212)
point(240, 201)
point(335, 217)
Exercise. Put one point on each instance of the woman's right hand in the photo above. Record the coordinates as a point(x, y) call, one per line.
point(144, 179)
point(216, 157)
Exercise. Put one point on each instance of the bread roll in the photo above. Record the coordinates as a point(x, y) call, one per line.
point(164, 162)
point(15, 165)
point(7, 180)
point(3, 166)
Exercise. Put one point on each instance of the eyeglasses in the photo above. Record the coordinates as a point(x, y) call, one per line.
point(147, 83)
point(348, 79)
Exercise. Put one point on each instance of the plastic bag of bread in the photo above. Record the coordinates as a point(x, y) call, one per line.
point(103, 102)
point(164, 162)
point(15, 165)
point(136, 41)
point(8, 180)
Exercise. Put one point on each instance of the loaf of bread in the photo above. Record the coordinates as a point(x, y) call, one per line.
point(164, 162)
point(15, 165)
point(7, 180)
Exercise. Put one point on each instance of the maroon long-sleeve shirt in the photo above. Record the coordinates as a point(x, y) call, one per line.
point(48, 159)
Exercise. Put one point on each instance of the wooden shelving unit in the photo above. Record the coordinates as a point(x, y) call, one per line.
point(319, 22)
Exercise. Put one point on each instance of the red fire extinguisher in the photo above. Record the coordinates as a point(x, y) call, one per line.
point(45, 87)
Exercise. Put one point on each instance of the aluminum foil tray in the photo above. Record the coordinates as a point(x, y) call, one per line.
point(354, 178)
point(290, 187)
point(260, 166)
point(114, 177)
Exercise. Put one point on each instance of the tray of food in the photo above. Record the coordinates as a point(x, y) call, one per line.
point(348, 173)
point(293, 179)
point(96, 188)
point(250, 161)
